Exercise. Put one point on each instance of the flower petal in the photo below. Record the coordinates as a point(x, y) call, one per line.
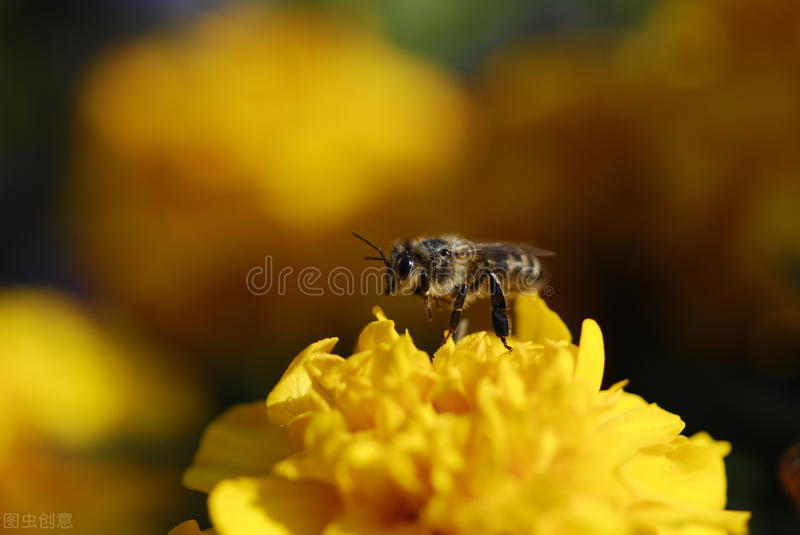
point(636, 424)
point(691, 519)
point(692, 474)
point(241, 442)
point(296, 392)
point(535, 322)
point(481, 440)
point(271, 506)
point(189, 527)
point(377, 332)
point(591, 356)
point(358, 524)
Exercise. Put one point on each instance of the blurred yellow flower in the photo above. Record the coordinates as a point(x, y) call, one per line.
point(69, 389)
point(65, 375)
point(189, 527)
point(479, 440)
point(256, 130)
point(687, 123)
point(310, 116)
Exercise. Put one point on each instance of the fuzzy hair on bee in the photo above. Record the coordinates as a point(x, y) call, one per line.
point(458, 271)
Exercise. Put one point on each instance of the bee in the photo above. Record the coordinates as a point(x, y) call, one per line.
point(455, 270)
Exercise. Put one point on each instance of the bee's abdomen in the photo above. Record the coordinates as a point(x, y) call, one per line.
point(518, 272)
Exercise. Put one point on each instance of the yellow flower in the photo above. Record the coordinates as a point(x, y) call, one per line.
point(77, 381)
point(250, 130)
point(71, 390)
point(478, 441)
point(189, 527)
point(672, 112)
point(309, 116)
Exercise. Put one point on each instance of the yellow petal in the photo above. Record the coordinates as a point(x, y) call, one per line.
point(353, 523)
point(189, 527)
point(376, 333)
point(591, 356)
point(722, 447)
point(637, 424)
point(296, 392)
point(691, 529)
point(560, 364)
point(241, 442)
point(689, 518)
point(692, 474)
point(535, 322)
point(586, 517)
point(403, 361)
point(378, 312)
point(271, 506)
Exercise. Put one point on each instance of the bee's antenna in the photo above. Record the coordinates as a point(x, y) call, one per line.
point(382, 257)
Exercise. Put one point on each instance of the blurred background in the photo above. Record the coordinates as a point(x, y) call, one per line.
point(155, 155)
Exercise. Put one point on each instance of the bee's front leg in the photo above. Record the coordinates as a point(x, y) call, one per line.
point(500, 322)
point(422, 291)
point(426, 300)
point(460, 295)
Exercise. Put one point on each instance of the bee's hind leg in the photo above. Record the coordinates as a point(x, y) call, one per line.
point(500, 321)
point(458, 307)
point(461, 330)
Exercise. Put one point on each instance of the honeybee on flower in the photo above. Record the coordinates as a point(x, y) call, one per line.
point(459, 271)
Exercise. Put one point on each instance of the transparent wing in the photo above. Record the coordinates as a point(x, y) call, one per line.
point(500, 249)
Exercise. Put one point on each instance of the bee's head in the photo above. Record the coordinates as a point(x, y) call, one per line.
point(401, 273)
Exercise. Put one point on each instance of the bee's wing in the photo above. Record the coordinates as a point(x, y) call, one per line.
point(494, 249)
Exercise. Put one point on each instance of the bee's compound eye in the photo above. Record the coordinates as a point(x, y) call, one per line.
point(404, 266)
